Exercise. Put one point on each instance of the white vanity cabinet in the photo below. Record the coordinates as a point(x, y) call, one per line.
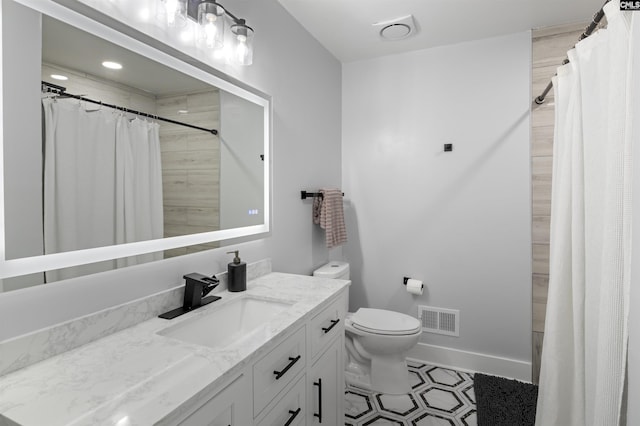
point(274, 371)
point(325, 378)
point(226, 408)
point(325, 388)
point(284, 368)
point(298, 382)
point(288, 410)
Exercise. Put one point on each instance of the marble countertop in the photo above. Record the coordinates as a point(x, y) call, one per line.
point(137, 377)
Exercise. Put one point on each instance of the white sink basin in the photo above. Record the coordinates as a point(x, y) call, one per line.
point(227, 324)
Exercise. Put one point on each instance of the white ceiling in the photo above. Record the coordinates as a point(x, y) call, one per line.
point(345, 28)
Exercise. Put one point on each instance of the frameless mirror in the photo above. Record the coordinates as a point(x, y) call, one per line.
point(106, 167)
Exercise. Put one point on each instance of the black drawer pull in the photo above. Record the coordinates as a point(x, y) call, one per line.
point(333, 324)
point(294, 414)
point(319, 414)
point(284, 370)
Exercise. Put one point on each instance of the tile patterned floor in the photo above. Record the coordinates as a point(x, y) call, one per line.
point(439, 397)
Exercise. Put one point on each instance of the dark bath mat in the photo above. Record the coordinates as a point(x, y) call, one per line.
point(504, 402)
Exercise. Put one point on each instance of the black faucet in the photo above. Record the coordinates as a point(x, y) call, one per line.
point(197, 286)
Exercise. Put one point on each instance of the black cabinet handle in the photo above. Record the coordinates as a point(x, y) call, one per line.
point(294, 414)
point(333, 324)
point(319, 414)
point(284, 370)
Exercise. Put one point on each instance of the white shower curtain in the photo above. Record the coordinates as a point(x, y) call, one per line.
point(102, 183)
point(585, 342)
point(139, 192)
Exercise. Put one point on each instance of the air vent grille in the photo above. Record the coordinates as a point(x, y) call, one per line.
point(439, 320)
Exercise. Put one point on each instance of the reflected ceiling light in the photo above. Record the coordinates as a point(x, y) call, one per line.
point(216, 28)
point(59, 77)
point(112, 65)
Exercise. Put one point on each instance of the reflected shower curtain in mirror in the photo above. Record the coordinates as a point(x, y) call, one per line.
point(102, 183)
point(584, 356)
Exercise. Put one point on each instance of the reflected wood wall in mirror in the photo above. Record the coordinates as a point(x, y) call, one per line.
point(209, 185)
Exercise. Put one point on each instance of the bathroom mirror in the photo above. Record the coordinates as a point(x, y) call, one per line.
point(113, 201)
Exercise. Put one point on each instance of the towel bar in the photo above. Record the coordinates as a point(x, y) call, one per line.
point(304, 194)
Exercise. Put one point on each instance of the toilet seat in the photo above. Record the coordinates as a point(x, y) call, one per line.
point(383, 322)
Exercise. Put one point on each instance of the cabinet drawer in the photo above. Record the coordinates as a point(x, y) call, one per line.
point(290, 410)
point(276, 369)
point(326, 325)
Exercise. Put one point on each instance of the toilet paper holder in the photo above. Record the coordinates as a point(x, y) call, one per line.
point(413, 286)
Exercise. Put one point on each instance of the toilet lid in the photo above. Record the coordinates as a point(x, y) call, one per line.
point(380, 321)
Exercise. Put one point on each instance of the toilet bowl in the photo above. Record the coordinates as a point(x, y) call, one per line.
point(377, 342)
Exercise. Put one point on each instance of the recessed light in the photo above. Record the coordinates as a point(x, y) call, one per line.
point(112, 65)
point(183, 111)
point(59, 77)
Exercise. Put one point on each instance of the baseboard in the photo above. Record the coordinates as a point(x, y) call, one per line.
point(471, 362)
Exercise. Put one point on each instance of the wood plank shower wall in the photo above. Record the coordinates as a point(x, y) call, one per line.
point(550, 47)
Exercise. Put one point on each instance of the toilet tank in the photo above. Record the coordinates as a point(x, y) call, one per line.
point(335, 270)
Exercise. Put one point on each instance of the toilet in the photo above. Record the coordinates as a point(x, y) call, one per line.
point(377, 342)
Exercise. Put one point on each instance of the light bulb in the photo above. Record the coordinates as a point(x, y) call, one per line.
point(242, 50)
point(173, 12)
point(210, 25)
point(210, 31)
point(171, 7)
point(243, 43)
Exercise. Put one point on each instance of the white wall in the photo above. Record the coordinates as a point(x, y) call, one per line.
point(305, 81)
point(460, 220)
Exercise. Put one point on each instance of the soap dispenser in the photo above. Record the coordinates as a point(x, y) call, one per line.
point(237, 273)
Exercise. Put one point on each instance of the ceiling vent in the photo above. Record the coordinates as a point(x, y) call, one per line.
point(396, 29)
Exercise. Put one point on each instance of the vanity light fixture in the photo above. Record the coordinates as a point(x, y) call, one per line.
point(243, 42)
point(211, 25)
point(173, 12)
point(112, 65)
point(217, 29)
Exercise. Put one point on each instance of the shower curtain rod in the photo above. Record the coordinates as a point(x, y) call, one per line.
point(587, 32)
point(62, 91)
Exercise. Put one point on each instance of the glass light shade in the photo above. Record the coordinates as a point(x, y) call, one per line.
point(210, 25)
point(242, 43)
point(172, 12)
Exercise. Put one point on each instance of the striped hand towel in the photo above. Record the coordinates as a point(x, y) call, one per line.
point(328, 213)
